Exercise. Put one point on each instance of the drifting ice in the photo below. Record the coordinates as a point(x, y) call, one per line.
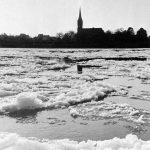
point(110, 110)
point(78, 93)
point(24, 101)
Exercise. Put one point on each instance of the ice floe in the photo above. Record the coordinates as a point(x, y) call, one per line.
point(142, 95)
point(84, 92)
point(79, 92)
point(10, 141)
point(109, 110)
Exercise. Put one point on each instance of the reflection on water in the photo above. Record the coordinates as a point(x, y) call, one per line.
point(25, 117)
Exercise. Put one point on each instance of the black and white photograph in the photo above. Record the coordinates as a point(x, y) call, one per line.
point(74, 74)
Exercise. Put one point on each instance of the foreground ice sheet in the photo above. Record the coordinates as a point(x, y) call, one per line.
point(15, 142)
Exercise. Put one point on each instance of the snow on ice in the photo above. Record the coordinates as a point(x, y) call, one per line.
point(79, 93)
point(110, 110)
point(10, 141)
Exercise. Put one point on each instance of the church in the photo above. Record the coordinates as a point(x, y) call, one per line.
point(86, 31)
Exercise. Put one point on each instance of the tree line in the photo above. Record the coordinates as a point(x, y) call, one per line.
point(119, 39)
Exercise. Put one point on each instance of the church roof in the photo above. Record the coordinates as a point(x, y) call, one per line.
point(86, 30)
point(92, 29)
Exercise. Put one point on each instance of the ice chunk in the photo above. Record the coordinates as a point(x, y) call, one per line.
point(8, 90)
point(84, 92)
point(7, 87)
point(4, 93)
point(58, 66)
point(74, 113)
point(24, 101)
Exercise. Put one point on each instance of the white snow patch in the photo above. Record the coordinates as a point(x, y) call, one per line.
point(10, 141)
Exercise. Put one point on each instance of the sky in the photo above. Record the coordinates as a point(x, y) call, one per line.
point(50, 17)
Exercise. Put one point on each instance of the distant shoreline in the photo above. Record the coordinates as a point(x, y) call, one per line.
point(93, 39)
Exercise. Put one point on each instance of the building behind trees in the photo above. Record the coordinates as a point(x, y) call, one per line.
point(83, 38)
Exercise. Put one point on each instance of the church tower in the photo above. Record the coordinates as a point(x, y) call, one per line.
point(80, 22)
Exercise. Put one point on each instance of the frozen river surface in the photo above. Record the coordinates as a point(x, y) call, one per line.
point(43, 96)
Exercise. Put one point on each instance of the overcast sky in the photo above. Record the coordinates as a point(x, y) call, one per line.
point(53, 16)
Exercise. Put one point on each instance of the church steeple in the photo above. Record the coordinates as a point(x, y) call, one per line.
point(80, 16)
point(80, 22)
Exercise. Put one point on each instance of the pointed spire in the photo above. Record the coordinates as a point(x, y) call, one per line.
point(80, 16)
point(80, 21)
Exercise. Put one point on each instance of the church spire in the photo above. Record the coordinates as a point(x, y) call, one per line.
point(80, 22)
point(80, 15)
